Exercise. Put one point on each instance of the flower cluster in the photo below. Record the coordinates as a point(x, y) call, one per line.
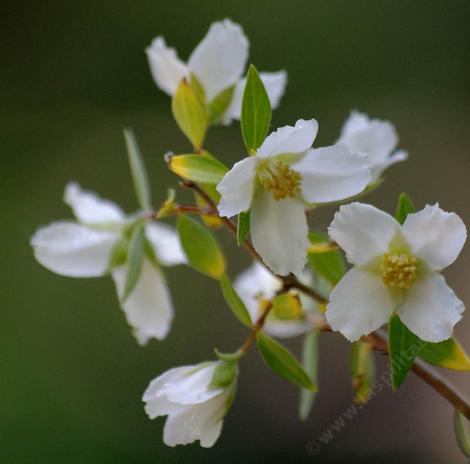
point(298, 284)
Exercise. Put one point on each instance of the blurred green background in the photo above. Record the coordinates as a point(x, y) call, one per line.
point(73, 73)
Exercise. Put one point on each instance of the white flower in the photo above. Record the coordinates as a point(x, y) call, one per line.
point(275, 183)
point(218, 62)
point(83, 249)
point(256, 284)
point(373, 137)
point(396, 270)
point(194, 408)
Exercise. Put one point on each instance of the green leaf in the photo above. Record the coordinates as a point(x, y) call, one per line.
point(197, 88)
point(234, 301)
point(190, 114)
point(329, 264)
point(461, 433)
point(219, 105)
point(224, 374)
point(283, 363)
point(448, 354)
point(286, 306)
point(405, 206)
point(310, 354)
point(118, 253)
point(138, 171)
point(198, 168)
point(362, 369)
point(403, 348)
point(256, 111)
point(135, 259)
point(243, 226)
point(200, 247)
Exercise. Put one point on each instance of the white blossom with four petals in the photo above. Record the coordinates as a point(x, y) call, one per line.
point(195, 409)
point(84, 248)
point(276, 182)
point(256, 284)
point(218, 62)
point(396, 270)
point(375, 138)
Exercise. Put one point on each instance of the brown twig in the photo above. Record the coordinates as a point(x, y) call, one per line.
point(256, 328)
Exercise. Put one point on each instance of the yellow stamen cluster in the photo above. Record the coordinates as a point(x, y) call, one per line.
point(399, 270)
point(280, 180)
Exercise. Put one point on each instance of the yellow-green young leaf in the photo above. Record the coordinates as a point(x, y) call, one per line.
point(234, 301)
point(404, 207)
point(243, 226)
point(403, 349)
point(286, 306)
point(190, 113)
point(138, 171)
point(310, 355)
point(362, 369)
point(448, 354)
point(282, 362)
point(256, 111)
point(224, 374)
point(219, 105)
point(197, 88)
point(135, 258)
point(201, 248)
point(330, 263)
point(198, 168)
point(462, 433)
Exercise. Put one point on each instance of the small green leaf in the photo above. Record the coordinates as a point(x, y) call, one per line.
point(461, 433)
point(256, 111)
point(219, 105)
point(448, 354)
point(224, 374)
point(118, 254)
point(243, 226)
point(197, 88)
point(404, 207)
point(190, 113)
point(282, 362)
point(362, 369)
point(201, 248)
point(229, 357)
point(234, 301)
point(403, 348)
point(135, 258)
point(198, 168)
point(329, 264)
point(138, 171)
point(286, 306)
point(310, 354)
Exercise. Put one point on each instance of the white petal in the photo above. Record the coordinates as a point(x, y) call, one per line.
point(287, 329)
point(170, 376)
point(219, 59)
point(359, 304)
point(253, 283)
point(274, 83)
point(148, 309)
point(431, 309)
point(372, 137)
point(73, 250)
point(288, 139)
point(332, 173)
point(166, 68)
point(363, 232)
point(378, 169)
point(435, 236)
point(279, 231)
point(166, 243)
point(236, 187)
point(89, 208)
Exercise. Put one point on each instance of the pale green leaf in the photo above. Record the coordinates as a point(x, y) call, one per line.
point(282, 362)
point(198, 168)
point(201, 248)
point(219, 105)
point(138, 171)
point(448, 354)
point(256, 111)
point(462, 433)
point(243, 227)
point(310, 355)
point(234, 302)
point(135, 258)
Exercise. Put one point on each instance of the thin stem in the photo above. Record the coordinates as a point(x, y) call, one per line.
point(378, 340)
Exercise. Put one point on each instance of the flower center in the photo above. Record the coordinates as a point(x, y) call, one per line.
point(399, 269)
point(280, 180)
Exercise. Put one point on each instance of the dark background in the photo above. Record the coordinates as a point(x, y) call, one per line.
point(73, 73)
